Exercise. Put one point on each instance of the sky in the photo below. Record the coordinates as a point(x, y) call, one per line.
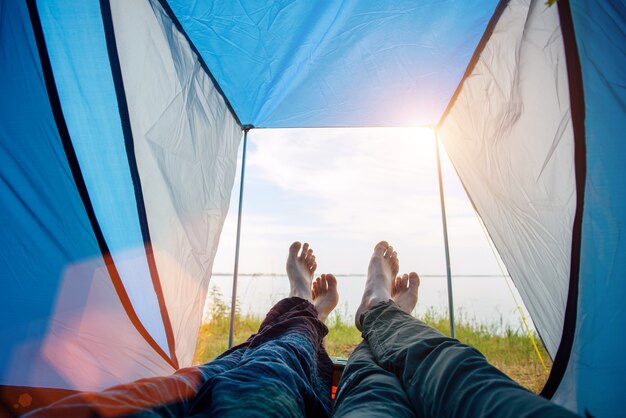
point(342, 190)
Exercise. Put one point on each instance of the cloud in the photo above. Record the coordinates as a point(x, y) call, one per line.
point(343, 190)
point(358, 179)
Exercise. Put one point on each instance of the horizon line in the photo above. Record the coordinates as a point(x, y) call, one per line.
point(358, 275)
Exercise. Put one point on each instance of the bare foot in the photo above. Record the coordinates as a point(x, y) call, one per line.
point(404, 291)
point(383, 267)
point(300, 269)
point(325, 296)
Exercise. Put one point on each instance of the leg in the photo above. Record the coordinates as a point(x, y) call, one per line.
point(285, 370)
point(441, 376)
point(284, 366)
point(366, 389)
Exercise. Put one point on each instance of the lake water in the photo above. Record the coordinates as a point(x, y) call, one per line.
point(479, 299)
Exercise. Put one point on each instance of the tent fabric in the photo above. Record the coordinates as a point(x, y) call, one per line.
point(596, 373)
point(120, 122)
point(88, 99)
point(35, 174)
point(299, 64)
point(74, 250)
point(59, 308)
point(509, 136)
point(186, 143)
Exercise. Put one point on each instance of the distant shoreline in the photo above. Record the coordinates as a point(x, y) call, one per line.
point(358, 275)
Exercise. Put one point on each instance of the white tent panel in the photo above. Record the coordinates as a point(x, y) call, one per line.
point(186, 144)
point(509, 136)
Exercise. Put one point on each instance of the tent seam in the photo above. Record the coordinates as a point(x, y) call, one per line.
point(72, 159)
point(118, 82)
point(577, 109)
point(170, 13)
point(475, 57)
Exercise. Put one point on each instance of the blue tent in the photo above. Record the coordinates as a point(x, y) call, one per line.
point(121, 120)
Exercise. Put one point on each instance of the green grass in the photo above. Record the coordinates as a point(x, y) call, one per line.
point(510, 351)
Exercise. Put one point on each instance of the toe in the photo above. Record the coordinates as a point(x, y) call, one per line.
point(331, 281)
point(313, 267)
point(389, 252)
point(395, 267)
point(323, 284)
point(380, 248)
point(395, 284)
point(414, 280)
point(305, 251)
point(293, 248)
point(394, 258)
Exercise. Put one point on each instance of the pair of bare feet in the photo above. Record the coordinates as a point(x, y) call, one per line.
point(383, 282)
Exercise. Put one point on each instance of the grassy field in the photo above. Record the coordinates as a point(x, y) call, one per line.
point(510, 351)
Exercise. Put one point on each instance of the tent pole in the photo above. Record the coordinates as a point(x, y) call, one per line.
point(233, 302)
point(445, 237)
